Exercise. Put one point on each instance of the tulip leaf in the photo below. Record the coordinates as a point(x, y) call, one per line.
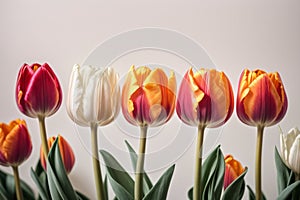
point(3, 193)
point(160, 189)
point(59, 183)
point(213, 175)
point(236, 189)
point(190, 194)
point(105, 185)
point(81, 196)
point(283, 173)
point(252, 195)
point(40, 186)
point(147, 184)
point(291, 192)
point(122, 184)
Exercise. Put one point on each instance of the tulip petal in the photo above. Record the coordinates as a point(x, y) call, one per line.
point(294, 157)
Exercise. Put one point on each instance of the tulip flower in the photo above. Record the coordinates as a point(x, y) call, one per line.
point(261, 102)
point(148, 96)
point(233, 169)
point(148, 99)
point(66, 153)
point(93, 100)
point(15, 148)
point(205, 99)
point(290, 150)
point(38, 95)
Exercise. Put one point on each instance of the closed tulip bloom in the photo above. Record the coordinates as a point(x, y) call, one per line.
point(233, 169)
point(148, 96)
point(15, 143)
point(66, 153)
point(38, 92)
point(290, 149)
point(261, 98)
point(94, 95)
point(205, 98)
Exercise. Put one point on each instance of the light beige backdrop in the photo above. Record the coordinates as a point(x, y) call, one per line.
point(235, 34)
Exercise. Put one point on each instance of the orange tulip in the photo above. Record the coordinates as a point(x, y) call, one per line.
point(15, 143)
point(66, 153)
point(261, 98)
point(148, 96)
point(233, 169)
point(205, 98)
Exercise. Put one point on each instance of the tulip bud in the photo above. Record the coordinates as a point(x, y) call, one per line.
point(66, 153)
point(290, 149)
point(148, 96)
point(261, 98)
point(93, 96)
point(233, 169)
point(38, 92)
point(205, 98)
point(15, 143)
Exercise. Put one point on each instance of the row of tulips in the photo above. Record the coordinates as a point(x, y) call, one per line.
point(148, 98)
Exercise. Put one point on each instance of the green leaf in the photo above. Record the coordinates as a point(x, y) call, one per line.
point(283, 173)
point(236, 189)
point(81, 196)
point(252, 195)
point(122, 184)
point(190, 194)
point(147, 184)
point(11, 188)
point(59, 183)
point(287, 193)
point(3, 193)
point(212, 178)
point(42, 190)
point(160, 189)
point(105, 185)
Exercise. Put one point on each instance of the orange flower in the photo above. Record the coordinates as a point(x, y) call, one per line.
point(148, 96)
point(15, 143)
point(66, 153)
point(261, 98)
point(233, 169)
point(205, 98)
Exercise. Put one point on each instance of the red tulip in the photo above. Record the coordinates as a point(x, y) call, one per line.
point(66, 153)
point(38, 92)
point(261, 98)
point(15, 143)
point(148, 96)
point(205, 98)
point(233, 169)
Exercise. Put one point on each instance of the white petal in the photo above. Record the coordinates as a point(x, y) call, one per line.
point(294, 158)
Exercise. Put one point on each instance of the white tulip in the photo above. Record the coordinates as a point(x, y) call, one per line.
point(290, 149)
point(93, 96)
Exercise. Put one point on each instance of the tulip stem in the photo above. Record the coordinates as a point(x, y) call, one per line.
point(96, 163)
point(197, 194)
point(259, 142)
point(138, 185)
point(43, 135)
point(17, 183)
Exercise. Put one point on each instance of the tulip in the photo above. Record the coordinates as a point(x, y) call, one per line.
point(15, 148)
point(38, 92)
point(66, 153)
point(93, 100)
point(148, 99)
point(261, 102)
point(290, 150)
point(233, 169)
point(93, 96)
point(38, 95)
point(205, 99)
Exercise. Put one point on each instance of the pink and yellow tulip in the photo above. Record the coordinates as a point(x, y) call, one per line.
point(233, 169)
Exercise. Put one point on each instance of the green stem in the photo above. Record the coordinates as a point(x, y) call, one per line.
point(197, 193)
point(96, 163)
point(138, 185)
point(259, 142)
point(17, 183)
point(43, 135)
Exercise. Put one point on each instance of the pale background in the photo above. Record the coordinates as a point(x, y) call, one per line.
point(236, 35)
